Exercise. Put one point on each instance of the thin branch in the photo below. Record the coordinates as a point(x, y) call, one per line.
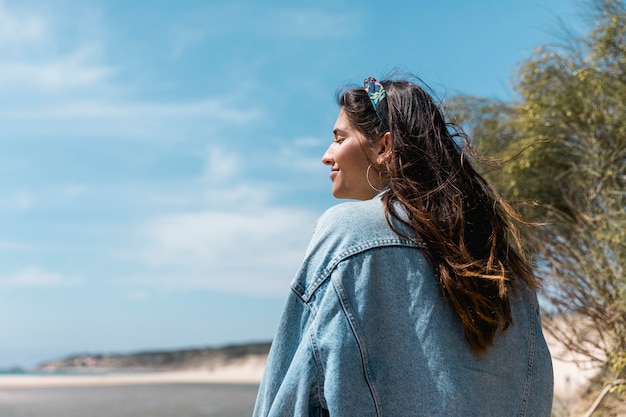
point(602, 394)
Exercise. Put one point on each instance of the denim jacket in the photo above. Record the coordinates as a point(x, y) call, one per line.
point(366, 332)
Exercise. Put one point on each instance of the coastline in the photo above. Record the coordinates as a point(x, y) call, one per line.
point(247, 371)
point(569, 379)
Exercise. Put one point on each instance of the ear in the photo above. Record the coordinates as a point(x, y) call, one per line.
point(384, 148)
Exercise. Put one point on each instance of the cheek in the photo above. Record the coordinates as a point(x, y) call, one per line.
point(351, 158)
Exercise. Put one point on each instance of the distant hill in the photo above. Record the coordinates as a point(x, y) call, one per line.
point(186, 359)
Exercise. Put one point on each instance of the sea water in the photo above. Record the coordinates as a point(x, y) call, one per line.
point(150, 400)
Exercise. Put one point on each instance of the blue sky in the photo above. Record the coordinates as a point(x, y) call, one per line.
point(160, 168)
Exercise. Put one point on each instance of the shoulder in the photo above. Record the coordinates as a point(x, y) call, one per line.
point(354, 217)
point(343, 232)
point(362, 220)
point(349, 228)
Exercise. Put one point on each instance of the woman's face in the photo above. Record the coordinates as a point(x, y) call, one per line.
point(348, 158)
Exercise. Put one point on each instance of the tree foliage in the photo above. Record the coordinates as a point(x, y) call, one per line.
point(563, 143)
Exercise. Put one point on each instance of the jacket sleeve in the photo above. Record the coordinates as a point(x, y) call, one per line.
point(290, 383)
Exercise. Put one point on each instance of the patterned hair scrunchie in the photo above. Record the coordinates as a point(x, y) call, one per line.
point(376, 92)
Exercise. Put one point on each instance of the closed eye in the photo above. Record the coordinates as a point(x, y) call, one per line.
point(339, 136)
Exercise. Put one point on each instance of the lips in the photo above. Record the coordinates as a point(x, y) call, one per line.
point(333, 173)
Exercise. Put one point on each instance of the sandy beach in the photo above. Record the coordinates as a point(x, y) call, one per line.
point(568, 378)
point(248, 371)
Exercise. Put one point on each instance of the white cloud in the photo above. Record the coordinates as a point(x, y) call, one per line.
point(312, 24)
point(252, 250)
point(301, 155)
point(184, 37)
point(19, 28)
point(138, 120)
point(263, 21)
point(74, 190)
point(221, 165)
point(72, 71)
point(213, 108)
point(66, 84)
point(299, 162)
point(137, 295)
point(20, 200)
point(310, 142)
point(208, 195)
point(36, 57)
point(12, 245)
point(35, 277)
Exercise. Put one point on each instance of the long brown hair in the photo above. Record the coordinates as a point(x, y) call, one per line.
point(470, 231)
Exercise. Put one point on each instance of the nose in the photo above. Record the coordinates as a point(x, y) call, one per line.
point(327, 158)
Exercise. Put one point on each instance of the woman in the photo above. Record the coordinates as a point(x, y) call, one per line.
point(416, 300)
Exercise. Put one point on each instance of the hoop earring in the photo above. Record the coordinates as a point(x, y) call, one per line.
point(367, 177)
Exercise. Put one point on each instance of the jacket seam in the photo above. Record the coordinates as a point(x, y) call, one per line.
point(319, 365)
point(531, 354)
point(322, 275)
point(319, 379)
point(343, 299)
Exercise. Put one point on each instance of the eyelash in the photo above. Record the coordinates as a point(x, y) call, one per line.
point(338, 141)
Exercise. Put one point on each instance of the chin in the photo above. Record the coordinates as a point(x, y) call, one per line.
point(344, 196)
point(338, 194)
point(347, 194)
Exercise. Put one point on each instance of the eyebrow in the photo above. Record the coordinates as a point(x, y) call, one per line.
point(338, 131)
